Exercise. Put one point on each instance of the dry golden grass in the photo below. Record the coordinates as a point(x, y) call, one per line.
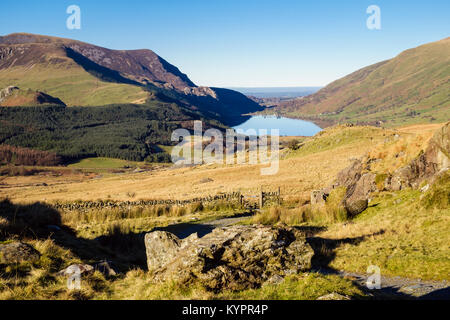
point(401, 147)
point(297, 176)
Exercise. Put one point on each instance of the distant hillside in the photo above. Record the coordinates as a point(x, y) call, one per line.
point(82, 74)
point(413, 87)
point(277, 92)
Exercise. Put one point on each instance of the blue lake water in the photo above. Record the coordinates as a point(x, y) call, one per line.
point(287, 126)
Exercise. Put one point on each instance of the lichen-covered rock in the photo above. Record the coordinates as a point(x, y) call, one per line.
point(234, 258)
point(18, 252)
point(350, 175)
point(355, 206)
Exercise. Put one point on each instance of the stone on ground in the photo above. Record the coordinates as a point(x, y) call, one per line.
point(17, 252)
point(233, 258)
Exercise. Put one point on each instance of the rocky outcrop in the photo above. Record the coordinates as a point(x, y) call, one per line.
point(7, 92)
point(360, 182)
point(17, 252)
point(14, 96)
point(200, 92)
point(434, 160)
point(235, 258)
point(350, 175)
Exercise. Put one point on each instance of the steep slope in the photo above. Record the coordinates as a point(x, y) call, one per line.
point(413, 87)
point(139, 65)
point(86, 75)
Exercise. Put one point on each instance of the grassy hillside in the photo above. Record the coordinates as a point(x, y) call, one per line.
point(414, 87)
point(72, 84)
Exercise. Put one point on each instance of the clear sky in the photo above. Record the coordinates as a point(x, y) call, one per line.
point(244, 43)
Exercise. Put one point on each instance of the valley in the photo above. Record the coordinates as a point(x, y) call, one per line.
point(398, 231)
point(87, 181)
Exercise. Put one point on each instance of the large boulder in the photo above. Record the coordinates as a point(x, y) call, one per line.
point(438, 151)
point(18, 252)
point(358, 184)
point(357, 196)
point(234, 258)
point(350, 175)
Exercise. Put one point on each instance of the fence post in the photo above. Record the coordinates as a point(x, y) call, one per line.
point(261, 199)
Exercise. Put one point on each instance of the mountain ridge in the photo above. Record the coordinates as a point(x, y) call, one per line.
point(83, 74)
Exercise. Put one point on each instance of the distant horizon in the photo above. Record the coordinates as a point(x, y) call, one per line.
point(276, 92)
point(272, 87)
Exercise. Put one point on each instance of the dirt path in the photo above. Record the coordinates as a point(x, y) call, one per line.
point(402, 288)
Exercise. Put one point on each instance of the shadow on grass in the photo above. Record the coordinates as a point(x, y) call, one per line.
point(41, 222)
point(125, 249)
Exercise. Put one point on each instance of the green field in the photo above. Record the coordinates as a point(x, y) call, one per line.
point(103, 163)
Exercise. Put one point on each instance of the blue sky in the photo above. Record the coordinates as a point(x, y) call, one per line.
point(244, 43)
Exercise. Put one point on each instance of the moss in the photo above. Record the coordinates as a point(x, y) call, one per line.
point(380, 178)
point(334, 205)
point(439, 194)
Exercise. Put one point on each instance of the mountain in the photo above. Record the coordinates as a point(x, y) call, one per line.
point(412, 87)
point(82, 74)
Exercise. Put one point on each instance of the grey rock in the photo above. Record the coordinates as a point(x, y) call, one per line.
point(357, 196)
point(432, 161)
point(234, 258)
point(18, 252)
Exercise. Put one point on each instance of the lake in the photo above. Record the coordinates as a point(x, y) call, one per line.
point(287, 126)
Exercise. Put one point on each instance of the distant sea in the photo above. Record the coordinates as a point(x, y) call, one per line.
point(277, 92)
